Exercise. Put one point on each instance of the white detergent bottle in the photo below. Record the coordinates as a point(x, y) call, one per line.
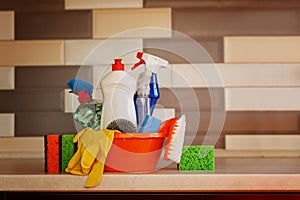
point(118, 88)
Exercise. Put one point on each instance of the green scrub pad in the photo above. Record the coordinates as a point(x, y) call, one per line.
point(67, 150)
point(197, 158)
point(59, 149)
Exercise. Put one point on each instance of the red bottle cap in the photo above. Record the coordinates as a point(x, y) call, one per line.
point(118, 65)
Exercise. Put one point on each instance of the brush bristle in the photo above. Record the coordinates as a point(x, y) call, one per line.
point(122, 125)
point(176, 144)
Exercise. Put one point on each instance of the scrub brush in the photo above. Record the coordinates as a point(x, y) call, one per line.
point(122, 125)
point(176, 132)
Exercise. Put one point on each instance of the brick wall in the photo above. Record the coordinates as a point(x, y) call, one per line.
point(253, 45)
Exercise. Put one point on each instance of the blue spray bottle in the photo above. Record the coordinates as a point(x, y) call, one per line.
point(147, 85)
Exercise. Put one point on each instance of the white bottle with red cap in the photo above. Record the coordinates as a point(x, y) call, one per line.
point(118, 88)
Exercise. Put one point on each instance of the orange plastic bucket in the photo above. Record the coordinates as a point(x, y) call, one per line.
point(134, 152)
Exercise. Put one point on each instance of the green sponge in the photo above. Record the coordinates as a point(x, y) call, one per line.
point(67, 150)
point(197, 158)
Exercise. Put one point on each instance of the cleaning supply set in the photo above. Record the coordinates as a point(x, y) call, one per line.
point(120, 130)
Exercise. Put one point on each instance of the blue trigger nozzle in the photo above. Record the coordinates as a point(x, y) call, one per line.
point(77, 85)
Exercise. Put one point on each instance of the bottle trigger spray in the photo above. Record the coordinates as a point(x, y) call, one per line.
point(88, 113)
point(147, 85)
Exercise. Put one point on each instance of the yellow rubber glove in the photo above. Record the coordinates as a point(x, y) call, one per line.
point(89, 159)
point(74, 166)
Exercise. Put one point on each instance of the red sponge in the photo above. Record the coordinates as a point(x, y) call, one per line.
point(52, 154)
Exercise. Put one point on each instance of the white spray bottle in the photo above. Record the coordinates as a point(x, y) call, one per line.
point(147, 85)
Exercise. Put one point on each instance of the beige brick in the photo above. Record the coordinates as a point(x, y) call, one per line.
point(236, 75)
point(70, 102)
point(238, 153)
point(32, 52)
point(7, 78)
point(94, 4)
point(260, 74)
point(7, 124)
point(163, 113)
point(22, 144)
point(261, 49)
point(97, 52)
point(262, 142)
point(196, 75)
point(262, 99)
point(7, 25)
point(109, 22)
